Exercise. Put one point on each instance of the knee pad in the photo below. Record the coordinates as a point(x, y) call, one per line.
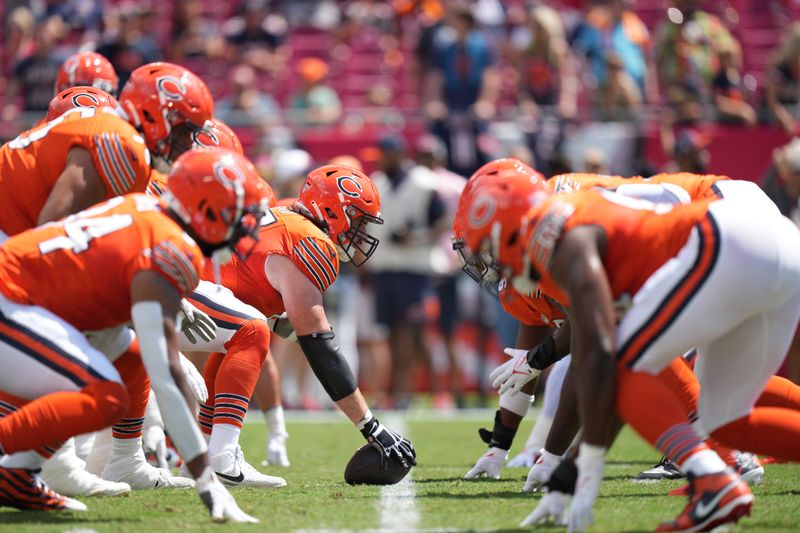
point(111, 398)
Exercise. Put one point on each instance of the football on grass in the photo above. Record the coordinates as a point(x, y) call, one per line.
point(364, 468)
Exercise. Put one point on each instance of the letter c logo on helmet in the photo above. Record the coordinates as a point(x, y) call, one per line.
point(482, 211)
point(200, 137)
point(171, 87)
point(349, 186)
point(85, 100)
point(229, 175)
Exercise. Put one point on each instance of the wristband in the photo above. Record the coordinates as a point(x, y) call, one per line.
point(516, 403)
point(502, 436)
point(543, 355)
point(364, 420)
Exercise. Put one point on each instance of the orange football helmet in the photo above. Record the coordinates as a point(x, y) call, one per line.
point(344, 200)
point(79, 96)
point(168, 104)
point(219, 197)
point(511, 183)
point(88, 69)
point(218, 134)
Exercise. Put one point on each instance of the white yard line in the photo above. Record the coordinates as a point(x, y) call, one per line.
point(414, 415)
point(398, 505)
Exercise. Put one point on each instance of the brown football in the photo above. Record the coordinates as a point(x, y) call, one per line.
point(364, 468)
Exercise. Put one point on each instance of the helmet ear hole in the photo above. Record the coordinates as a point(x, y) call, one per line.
point(330, 213)
point(512, 240)
point(147, 116)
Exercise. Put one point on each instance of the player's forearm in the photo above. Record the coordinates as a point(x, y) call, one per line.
point(596, 377)
point(566, 421)
point(353, 406)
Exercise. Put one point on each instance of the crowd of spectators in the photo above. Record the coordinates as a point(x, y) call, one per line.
point(438, 88)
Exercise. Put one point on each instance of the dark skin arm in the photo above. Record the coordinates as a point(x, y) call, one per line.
point(148, 286)
point(79, 186)
point(578, 269)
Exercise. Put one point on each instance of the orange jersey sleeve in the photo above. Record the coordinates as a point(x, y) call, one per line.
point(577, 181)
point(81, 268)
point(31, 163)
point(157, 184)
point(640, 236)
point(282, 232)
point(530, 309)
point(699, 186)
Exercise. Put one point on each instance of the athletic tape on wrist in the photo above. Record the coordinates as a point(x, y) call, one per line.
point(328, 364)
point(516, 403)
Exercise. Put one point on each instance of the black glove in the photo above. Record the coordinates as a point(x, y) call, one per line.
point(564, 477)
point(389, 443)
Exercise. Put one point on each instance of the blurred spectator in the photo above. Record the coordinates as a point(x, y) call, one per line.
point(618, 98)
point(83, 18)
point(688, 46)
point(196, 35)
point(432, 154)
point(257, 34)
point(18, 40)
point(595, 161)
point(129, 42)
point(611, 26)
point(690, 153)
point(462, 90)
point(289, 170)
point(782, 92)
point(404, 261)
point(315, 104)
point(246, 102)
point(35, 75)
point(381, 108)
point(729, 92)
point(548, 86)
point(684, 111)
point(782, 182)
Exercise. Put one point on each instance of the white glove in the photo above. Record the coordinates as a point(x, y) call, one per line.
point(281, 326)
point(219, 501)
point(195, 322)
point(552, 508)
point(540, 472)
point(514, 373)
point(154, 442)
point(524, 459)
point(591, 461)
point(489, 464)
point(194, 378)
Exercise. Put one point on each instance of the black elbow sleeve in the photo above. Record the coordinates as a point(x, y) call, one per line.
point(328, 364)
point(543, 355)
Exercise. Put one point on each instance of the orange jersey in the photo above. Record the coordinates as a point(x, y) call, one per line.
point(532, 310)
point(157, 184)
point(640, 236)
point(699, 186)
point(31, 164)
point(577, 181)
point(81, 268)
point(282, 232)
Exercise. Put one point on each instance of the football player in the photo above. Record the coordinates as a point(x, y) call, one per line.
point(636, 245)
point(295, 259)
point(128, 259)
point(89, 69)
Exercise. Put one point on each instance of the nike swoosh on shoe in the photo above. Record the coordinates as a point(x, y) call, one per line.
point(233, 479)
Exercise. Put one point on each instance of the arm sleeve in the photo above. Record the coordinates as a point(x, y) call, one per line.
point(122, 162)
point(147, 321)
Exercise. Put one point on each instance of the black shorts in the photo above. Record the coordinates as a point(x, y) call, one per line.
point(399, 297)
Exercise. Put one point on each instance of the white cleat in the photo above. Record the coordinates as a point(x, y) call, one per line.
point(233, 470)
point(65, 474)
point(276, 452)
point(130, 466)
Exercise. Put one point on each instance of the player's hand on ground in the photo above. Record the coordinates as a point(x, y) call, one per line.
point(514, 373)
point(489, 464)
point(590, 476)
point(195, 323)
point(218, 500)
point(540, 472)
point(194, 378)
point(524, 459)
point(552, 509)
point(389, 444)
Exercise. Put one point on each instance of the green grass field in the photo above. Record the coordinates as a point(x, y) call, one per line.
point(438, 498)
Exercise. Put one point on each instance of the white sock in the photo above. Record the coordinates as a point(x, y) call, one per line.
point(703, 463)
point(125, 445)
point(83, 445)
point(276, 425)
point(221, 436)
point(539, 432)
point(30, 460)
